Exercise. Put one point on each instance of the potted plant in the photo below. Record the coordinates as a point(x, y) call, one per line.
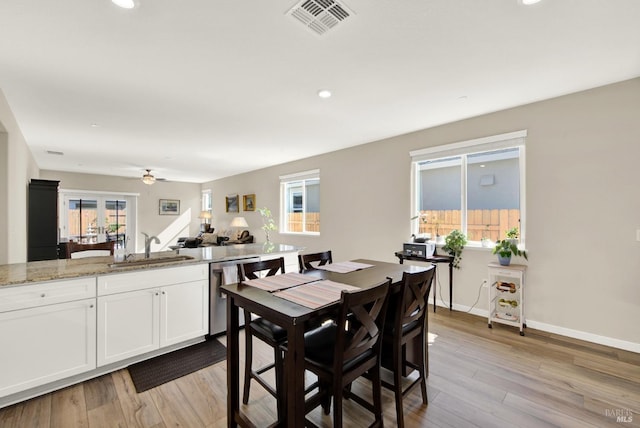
point(454, 244)
point(486, 240)
point(420, 237)
point(268, 223)
point(505, 249)
point(513, 234)
point(436, 224)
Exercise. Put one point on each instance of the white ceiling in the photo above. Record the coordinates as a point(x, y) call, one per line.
point(202, 89)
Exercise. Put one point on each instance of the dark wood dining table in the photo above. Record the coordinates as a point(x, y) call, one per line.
point(294, 318)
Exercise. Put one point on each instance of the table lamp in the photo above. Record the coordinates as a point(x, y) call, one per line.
point(238, 223)
point(206, 217)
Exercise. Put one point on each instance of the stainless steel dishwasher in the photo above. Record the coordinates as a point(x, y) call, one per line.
point(221, 273)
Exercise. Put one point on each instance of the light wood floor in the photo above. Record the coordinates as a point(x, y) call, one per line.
point(479, 377)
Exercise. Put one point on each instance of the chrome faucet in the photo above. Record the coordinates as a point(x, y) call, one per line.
point(147, 244)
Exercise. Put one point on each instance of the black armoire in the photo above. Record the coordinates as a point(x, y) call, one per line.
point(42, 229)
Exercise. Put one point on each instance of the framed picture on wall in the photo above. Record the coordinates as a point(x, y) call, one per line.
point(169, 206)
point(232, 203)
point(249, 202)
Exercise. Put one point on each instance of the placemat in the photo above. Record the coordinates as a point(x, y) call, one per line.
point(344, 267)
point(315, 294)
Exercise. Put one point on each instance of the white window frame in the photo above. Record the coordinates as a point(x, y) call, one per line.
point(304, 176)
point(462, 149)
point(205, 200)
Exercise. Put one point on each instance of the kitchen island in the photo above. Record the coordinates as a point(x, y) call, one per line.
point(50, 270)
point(66, 321)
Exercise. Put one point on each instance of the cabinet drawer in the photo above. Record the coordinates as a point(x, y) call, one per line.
point(149, 278)
point(46, 293)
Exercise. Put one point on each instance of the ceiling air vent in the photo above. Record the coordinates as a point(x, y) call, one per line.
point(320, 16)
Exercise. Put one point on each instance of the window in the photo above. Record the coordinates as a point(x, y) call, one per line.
point(300, 202)
point(206, 200)
point(475, 186)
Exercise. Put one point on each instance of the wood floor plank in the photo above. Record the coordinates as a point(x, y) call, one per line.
point(553, 416)
point(34, 413)
point(109, 415)
point(174, 407)
point(68, 408)
point(200, 393)
point(138, 408)
point(99, 391)
point(611, 367)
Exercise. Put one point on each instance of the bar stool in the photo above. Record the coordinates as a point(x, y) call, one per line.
point(270, 333)
point(409, 322)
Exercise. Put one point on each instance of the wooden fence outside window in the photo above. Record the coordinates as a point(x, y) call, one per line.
point(492, 224)
point(294, 222)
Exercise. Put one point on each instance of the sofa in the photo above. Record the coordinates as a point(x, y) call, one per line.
point(210, 238)
point(244, 238)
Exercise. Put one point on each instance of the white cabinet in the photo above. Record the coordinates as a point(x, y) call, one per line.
point(52, 338)
point(506, 295)
point(139, 312)
point(128, 325)
point(290, 260)
point(184, 312)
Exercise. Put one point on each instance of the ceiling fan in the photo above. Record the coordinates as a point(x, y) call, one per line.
point(148, 178)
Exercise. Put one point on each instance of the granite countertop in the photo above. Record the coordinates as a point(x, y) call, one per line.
point(50, 270)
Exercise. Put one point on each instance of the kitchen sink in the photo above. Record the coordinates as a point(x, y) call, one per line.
point(150, 261)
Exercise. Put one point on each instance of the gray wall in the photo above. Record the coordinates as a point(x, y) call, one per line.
point(17, 168)
point(581, 214)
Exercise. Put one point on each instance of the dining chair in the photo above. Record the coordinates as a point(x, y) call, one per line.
point(341, 351)
point(409, 322)
point(308, 261)
point(76, 250)
point(270, 333)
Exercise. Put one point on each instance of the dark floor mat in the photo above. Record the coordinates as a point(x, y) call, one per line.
point(156, 371)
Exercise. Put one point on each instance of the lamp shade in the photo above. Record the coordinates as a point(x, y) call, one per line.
point(206, 215)
point(239, 222)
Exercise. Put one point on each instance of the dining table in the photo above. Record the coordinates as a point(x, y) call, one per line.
point(295, 319)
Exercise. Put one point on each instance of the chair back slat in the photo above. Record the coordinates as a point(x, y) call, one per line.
point(361, 322)
point(252, 270)
point(312, 261)
point(415, 292)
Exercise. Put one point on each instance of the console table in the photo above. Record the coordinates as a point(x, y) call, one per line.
point(436, 259)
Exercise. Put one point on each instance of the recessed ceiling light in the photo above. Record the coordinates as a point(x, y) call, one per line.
point(324, 93)
point(125, 4)
point(529, 2)
point(95, 125)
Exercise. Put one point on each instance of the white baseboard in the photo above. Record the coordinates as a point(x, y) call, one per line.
point(549, 328)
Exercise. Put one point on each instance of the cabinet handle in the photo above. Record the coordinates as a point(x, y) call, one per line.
point(43, 295)
point(157, 293)
point(90, 306)
point(164, 292)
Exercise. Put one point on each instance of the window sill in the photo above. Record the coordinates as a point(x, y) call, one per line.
point(300, 233)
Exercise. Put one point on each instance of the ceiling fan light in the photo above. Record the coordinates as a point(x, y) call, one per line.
point(148, 178)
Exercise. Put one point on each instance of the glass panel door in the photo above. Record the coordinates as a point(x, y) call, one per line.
point(90, 219)
point(115, 221)
point(82, 220)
